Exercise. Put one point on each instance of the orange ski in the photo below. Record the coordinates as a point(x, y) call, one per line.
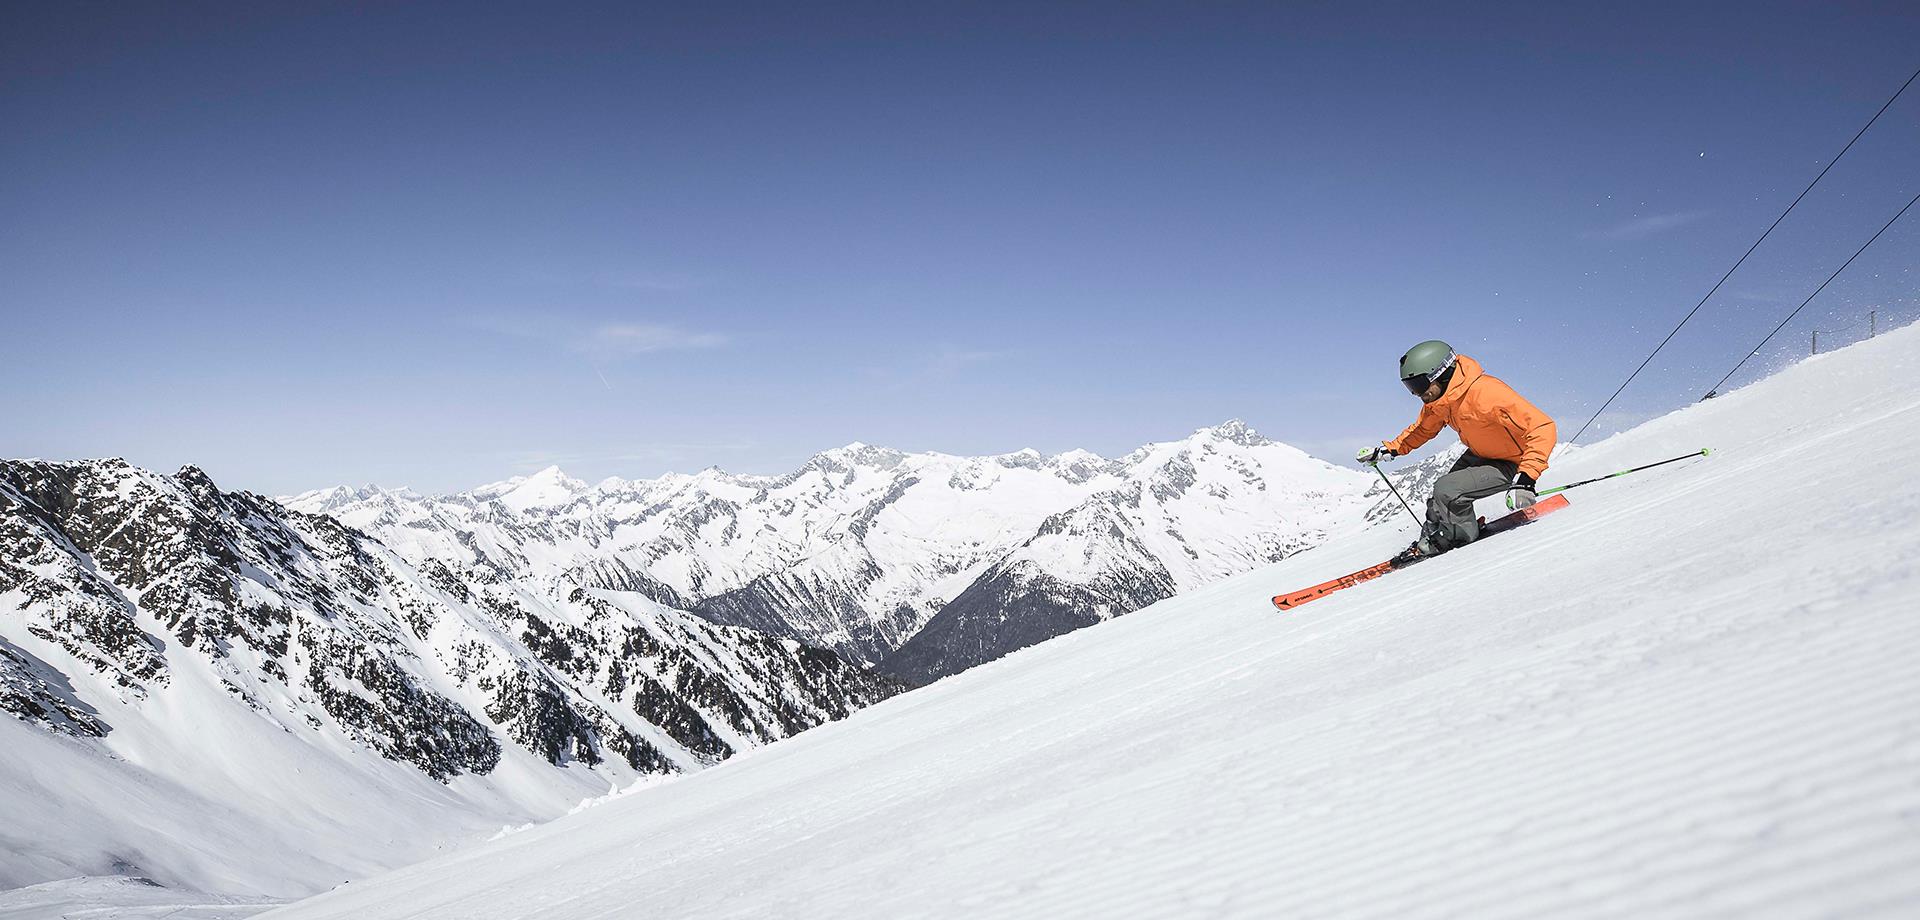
point(1507, 522)
point(1290, 601)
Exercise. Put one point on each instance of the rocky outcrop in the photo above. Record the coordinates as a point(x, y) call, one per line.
point(440, 664)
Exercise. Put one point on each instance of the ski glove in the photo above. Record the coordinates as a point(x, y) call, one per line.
point(1374, 454)
point(1521, 495)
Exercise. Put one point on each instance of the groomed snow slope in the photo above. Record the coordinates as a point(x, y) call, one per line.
point(1691, 694)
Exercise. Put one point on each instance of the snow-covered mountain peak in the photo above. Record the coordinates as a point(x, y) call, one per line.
point(326, 501)
point(554, 475)
point(549, 488)
point(1025, 458)
point(1231, 439)
point(340, 498)
point(856, 455)
point(1235, 431)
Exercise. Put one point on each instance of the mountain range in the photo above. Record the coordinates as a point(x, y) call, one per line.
point(918, 564)
point(315, 666)
point(243, 653)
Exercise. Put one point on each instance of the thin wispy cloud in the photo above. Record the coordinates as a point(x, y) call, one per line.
point(604, 339)
point(1651, 225)
point(646, 338)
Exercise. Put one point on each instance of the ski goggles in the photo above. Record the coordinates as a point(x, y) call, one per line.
point(1418, 383)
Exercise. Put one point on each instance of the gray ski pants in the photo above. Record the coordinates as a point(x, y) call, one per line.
point(1450, 520)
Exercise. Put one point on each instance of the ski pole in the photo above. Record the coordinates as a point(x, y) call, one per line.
point(1702, 452)
point(1396, 493)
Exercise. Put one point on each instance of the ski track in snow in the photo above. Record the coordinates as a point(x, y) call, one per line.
point(1692, 694)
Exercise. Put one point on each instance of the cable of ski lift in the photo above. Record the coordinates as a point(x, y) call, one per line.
point(1803, 304)
point(1743, 258)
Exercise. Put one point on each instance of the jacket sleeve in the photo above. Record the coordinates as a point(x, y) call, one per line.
point(1420, 432)
point(1532, 428)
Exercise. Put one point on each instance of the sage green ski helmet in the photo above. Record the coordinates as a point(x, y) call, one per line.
point(1424, 364)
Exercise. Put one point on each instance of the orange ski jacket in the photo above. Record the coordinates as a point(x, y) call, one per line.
point(1493, 420)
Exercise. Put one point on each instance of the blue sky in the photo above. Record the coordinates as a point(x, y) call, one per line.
point(435, 245)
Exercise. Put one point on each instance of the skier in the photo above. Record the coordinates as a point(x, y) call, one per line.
point(1508, 441)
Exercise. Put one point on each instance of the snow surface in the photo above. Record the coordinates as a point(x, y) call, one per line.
point(191, 787)
point(1690, 694)
point(122, 898)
